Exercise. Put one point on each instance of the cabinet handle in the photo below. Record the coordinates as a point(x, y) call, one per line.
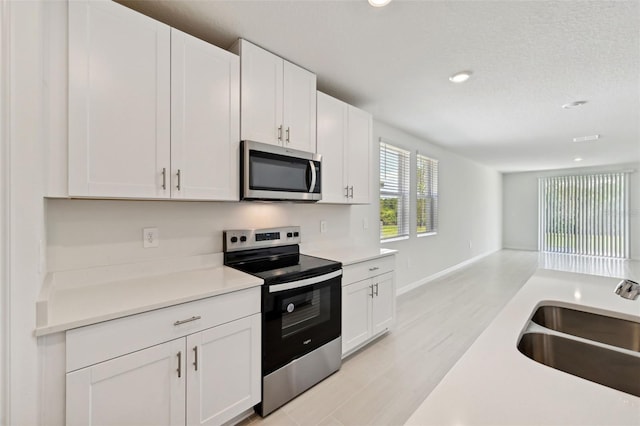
point(376, 289)
point(346, 191)
point(288, 134)
point(195, 362)
point(179, 364)
point(371, 287)
point(351, 189)
point(375, 268)
point(194, 318)
point(280, 133)
point(164, 178)
point(179, 177)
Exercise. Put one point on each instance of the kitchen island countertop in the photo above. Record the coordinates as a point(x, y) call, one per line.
point(493, 383)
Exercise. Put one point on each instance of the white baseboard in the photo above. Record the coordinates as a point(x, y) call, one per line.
point(406, 288)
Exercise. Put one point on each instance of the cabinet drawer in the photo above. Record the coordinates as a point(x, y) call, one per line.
point(368, 269)
point(99, 342)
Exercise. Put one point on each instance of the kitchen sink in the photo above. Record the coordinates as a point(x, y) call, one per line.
point(612, 368)
point(600, 328)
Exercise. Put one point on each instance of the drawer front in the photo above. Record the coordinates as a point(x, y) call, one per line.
point(99, 342)
point(371, 268)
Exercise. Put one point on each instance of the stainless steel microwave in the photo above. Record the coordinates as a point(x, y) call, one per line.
point(272, 172)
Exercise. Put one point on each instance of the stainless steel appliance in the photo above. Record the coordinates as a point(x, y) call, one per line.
point(271, 172)
point(301, 310)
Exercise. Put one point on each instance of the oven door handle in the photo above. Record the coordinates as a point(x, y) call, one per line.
point(303, 283)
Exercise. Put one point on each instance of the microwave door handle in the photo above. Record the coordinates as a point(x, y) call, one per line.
point(313, 176)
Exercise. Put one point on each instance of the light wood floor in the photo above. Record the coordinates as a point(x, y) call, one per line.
point(386, 381)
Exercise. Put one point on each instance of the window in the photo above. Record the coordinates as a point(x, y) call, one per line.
point(426, 195)
point(394, 191)
point(584, 215)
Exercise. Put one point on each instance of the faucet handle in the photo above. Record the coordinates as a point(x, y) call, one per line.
point(628, 289)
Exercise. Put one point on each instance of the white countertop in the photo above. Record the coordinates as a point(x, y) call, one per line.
point(493, 383)
point(350, 255)
point(73, 299)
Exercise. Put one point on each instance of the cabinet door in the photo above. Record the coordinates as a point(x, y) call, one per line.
point(141, 388)
point(332, 134)
point(205, 120)
point(356, 314)
point(225, 380)
point(261, 94)
point(383, 310)
point(359, 155)
point(299, 113)
point(118, 102)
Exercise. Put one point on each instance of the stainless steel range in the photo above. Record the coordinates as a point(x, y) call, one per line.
point(301, 310)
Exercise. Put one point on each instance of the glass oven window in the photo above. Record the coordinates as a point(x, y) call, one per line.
point(303, 311)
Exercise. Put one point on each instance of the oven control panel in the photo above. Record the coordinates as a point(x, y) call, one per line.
point(243, 239)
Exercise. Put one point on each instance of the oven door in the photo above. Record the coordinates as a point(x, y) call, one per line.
point(299, 317)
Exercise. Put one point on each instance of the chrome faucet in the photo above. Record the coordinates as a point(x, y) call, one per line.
point(628, 289)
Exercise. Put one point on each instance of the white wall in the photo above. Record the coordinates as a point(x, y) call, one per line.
point(23, 206)
point(520, 204)
point(87, 233)
point(470, 212)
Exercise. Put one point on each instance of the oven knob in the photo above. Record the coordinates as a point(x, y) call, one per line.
point(290, 307)
point(296, 234)
point(243, 239)
point(234, 239)
point(289, 235)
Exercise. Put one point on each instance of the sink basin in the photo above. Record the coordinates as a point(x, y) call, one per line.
point(601, 328)
point(611, 368)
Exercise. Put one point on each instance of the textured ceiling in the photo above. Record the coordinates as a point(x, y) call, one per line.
point(528, 58)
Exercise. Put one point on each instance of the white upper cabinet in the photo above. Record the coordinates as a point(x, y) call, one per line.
point(358, 155)
point(153, 112)
point(332, 137)
point(119, 94)
point(299, 108)
point(278, 99)
point(344, 141)
point(205, 121)
point(261, 94)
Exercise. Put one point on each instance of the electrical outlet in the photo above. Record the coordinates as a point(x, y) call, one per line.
point(323, 226)
point(150, 237)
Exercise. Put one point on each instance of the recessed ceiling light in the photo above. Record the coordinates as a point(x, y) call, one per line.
point(574, 104)
point(577, 159)
point(586, 138)
point(460, 77)
point(379, 3)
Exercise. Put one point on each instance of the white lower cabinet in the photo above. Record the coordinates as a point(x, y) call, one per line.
point(368, 305)
point(207, 377)
point(142, 388)
point(223, 375)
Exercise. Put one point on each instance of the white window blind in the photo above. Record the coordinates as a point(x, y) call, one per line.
point(394, 191)
point(426, 195)
point(585, 215)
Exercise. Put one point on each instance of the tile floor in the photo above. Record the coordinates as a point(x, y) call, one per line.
point(383, 383)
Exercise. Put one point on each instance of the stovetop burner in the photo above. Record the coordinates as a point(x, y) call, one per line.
point(273, 255)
